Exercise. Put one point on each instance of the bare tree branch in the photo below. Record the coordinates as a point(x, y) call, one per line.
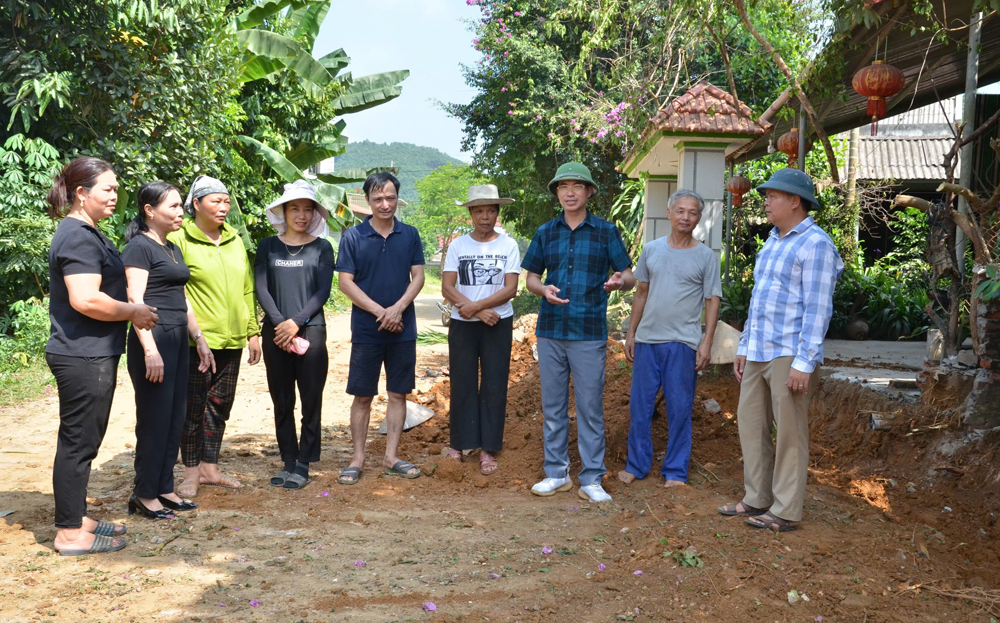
point(800, 93)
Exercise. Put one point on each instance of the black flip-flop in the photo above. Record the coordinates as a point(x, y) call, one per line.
point(402, 469)
point(349, 476)
point(102, 545)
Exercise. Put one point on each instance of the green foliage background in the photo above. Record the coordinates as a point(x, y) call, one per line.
point(413, 162)
point(162, 91)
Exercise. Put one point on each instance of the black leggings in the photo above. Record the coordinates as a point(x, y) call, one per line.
point(284, 371)
point(478, 407)
point(160, 409)
point(86, 388)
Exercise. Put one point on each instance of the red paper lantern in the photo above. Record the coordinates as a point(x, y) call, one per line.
point(739, 186)
point(877, 82)
point(788, 143)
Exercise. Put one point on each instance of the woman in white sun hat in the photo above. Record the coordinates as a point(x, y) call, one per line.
point(293, 273)
point(479, 279)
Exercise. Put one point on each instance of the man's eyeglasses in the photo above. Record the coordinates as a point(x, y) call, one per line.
point(577, 188)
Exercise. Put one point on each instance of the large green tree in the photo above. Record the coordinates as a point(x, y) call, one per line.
point(436, 216)
point(579, 80)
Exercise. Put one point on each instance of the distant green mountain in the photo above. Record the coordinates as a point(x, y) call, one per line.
point(413, 161)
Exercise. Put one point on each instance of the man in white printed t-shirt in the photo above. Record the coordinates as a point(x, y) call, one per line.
point(480, 278)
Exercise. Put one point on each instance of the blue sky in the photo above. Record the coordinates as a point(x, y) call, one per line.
point(428, 37)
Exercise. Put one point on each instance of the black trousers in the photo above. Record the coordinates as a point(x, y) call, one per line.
point(86, 388)
point(284, 370)
point(160, 409)
point(210, 399)
point(478, 407)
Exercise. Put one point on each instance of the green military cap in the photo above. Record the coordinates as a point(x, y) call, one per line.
point(572, 171)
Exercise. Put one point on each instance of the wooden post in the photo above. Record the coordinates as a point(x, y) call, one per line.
point(969, 119)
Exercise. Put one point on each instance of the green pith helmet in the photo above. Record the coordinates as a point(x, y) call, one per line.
point(572, 171)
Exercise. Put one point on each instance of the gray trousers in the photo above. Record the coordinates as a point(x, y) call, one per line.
point(557, 359)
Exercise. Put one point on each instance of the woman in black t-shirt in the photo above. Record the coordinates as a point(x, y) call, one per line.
point(293, 274)
point(158, 358)
point(88, 312)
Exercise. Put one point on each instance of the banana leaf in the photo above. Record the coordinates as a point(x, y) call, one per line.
point(305, 155)
point(335, 61)
point(371, 90)
point(281, 165)
point(259, 67)
point(347, 176)
point(256, 14)
point(309, 19)
point(288, 51)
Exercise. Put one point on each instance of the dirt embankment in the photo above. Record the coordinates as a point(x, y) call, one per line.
point(899, 526)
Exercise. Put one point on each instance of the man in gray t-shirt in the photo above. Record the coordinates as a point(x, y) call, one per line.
point(677, 276)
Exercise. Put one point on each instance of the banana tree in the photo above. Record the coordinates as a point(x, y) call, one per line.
point(270, 55)
point(326, 185)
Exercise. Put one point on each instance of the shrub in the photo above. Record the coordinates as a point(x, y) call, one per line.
point(24, 332)
point(525, 303)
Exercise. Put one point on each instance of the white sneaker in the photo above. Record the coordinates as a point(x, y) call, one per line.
point(550, 486)
point(594, 493)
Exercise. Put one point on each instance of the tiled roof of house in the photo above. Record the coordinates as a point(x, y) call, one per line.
point(707, 108)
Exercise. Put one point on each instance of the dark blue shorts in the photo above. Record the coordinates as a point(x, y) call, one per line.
point(400, 359)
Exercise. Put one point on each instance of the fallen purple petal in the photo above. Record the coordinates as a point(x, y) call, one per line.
point(429, 606)
point(254, 603)
point(221, 605)
point(325, 493)
point(493, 576)
point(637, 572)
point(601, 567)
point(236, 529)
point(359, 563)
point(546, 550)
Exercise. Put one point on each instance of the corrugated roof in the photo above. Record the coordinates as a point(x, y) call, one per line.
point(937, 56)
point(902, 158)
point(707, 108)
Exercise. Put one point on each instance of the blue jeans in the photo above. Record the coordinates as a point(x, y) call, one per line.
point(671, 366)
point(557, 359)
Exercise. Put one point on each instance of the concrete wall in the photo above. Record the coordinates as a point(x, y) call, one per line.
point(658, 191)
point(702, 169)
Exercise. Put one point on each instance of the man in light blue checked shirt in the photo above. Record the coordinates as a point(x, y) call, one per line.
point(780, 348)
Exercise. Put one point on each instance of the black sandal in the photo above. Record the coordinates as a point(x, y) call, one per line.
point(296, 481)
point(106, 528)
point(771, 521)
point(349, 476)
point(102, 545)
point(733, 510)
point(279, 479)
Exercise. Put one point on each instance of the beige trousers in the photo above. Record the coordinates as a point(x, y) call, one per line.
point(774, 473)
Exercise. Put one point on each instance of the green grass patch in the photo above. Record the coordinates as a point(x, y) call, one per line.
point(27, 383)
point(430, 336)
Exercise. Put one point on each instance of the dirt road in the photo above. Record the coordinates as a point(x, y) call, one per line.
point(457, 546)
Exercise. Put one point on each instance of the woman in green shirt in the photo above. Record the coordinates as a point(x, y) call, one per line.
point(221, 293)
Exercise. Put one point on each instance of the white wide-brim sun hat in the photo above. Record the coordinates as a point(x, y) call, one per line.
point(482, 195)
point(300, 189)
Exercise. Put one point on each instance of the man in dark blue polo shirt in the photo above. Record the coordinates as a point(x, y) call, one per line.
point(577, 251)
point(381, 266)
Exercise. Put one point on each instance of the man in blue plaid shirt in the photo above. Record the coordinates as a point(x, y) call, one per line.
point(576, 251)
point(780, 348)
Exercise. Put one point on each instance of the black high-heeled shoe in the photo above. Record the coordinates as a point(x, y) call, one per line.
point(183, 505)
point(137, 507)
